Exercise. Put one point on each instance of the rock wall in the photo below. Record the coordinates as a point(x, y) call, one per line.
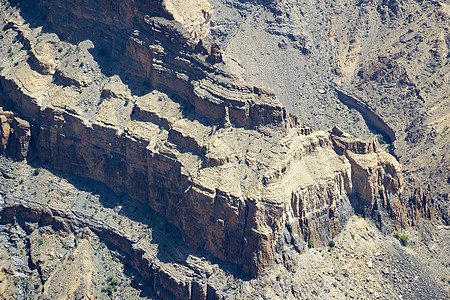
point(159, 42)
point(221, 160)
point(163, 281)
point(396, 66)
point(369, 114)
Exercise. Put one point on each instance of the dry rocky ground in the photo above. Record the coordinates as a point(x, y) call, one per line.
point(393, 55)
point(63, 261)
point(65, 237)
point(47, 262)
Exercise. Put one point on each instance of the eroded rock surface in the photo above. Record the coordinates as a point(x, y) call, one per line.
point(15, 135)
point(55, 228)
point(397, 65)
point(374, 68)
point(137, 95)
point(222, 161)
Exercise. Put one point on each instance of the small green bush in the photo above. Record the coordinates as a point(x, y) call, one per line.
point(112, 280)
point(110, 289)
point(36, 172)
point(112, 285)
point(331, 243)
point(380, 139)
point(345, 273)
point(404, 240)
point(310, 244)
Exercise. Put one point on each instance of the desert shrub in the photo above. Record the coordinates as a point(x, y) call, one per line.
point(112, 285)
point(310, 244)
point(380, 139)
point(404, 240)
point(110, 289)
point(112, 280)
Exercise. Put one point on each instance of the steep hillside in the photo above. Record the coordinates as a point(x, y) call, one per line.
point(193, 124)
point(371, 67)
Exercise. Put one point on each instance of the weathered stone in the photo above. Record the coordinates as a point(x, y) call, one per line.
point(15, 135)
point(5, 130)
point(221, 160)
point(22, 134)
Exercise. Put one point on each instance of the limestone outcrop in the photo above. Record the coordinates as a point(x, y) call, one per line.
point(221, 160)
point(75, 227)
point(167, 45)
point(15, 135)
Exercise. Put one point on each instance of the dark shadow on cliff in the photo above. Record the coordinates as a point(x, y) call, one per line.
point(139, 283)
point(375, 123)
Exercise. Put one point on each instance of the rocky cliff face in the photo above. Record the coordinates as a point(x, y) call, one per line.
point(72, 237)
point(397, 63)
point(15, 135)
point(221, 160)
point(166, 45)
point(373, 68)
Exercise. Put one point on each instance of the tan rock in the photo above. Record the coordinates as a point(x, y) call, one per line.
point(22, 134)
point(221, 160)
point(5, 130)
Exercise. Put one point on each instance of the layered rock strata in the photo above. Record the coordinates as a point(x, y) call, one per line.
point(139, 238)
point(83, 211)
point(222, 161)
point(167, 45)
point(397, 66)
